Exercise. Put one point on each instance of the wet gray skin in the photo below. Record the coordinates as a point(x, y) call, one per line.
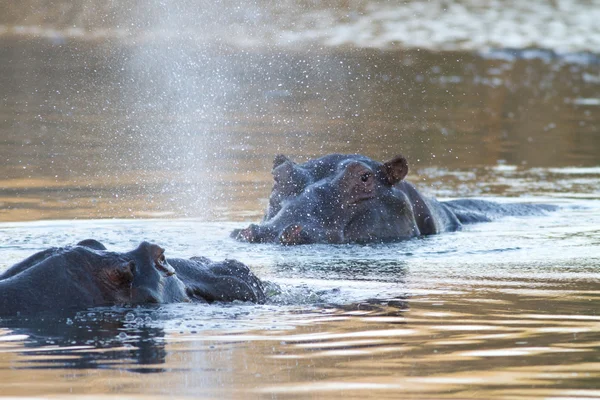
point(70, 278)
point(209, 281)
point(87, 275)
point(352, 199)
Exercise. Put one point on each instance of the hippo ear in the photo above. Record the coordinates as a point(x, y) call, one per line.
point(121, 274)
point(394, 170)
point(283, 172)
point(290, 178)
point(280, 159)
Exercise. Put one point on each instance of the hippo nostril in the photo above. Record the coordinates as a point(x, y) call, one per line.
point(250, 234)
point(294, 234)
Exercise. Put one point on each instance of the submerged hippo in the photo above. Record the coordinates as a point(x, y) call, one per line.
point(87, 275)
point(353, 199)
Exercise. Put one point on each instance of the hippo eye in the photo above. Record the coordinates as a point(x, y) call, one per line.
point(365, 177)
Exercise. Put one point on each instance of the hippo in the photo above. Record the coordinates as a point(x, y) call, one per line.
point(350, 198)
point(88, 275)
point(209, 281)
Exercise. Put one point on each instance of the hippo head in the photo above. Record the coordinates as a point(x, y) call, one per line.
point(140, 276)
point(335, 199)
point(155, 280)
point(95, 277)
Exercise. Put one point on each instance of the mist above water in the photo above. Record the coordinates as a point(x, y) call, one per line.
point(154, 108)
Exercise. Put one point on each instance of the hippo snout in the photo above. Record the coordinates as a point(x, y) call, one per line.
point(254, 234)
point(294, 234)
point(249, 234)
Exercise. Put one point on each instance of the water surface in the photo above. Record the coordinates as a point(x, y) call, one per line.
point(503, 309)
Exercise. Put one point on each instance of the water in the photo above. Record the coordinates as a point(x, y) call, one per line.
point(504, 309)
point(564, 25)
point(139, 122)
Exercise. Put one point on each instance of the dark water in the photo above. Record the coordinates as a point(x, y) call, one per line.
point(173, 142)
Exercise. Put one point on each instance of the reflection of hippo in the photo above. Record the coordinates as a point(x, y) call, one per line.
point(88, 275)
point(351, 198)
point(108, 337)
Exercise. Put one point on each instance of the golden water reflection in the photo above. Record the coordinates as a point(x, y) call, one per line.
point(97, 131)
point(502, 346)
